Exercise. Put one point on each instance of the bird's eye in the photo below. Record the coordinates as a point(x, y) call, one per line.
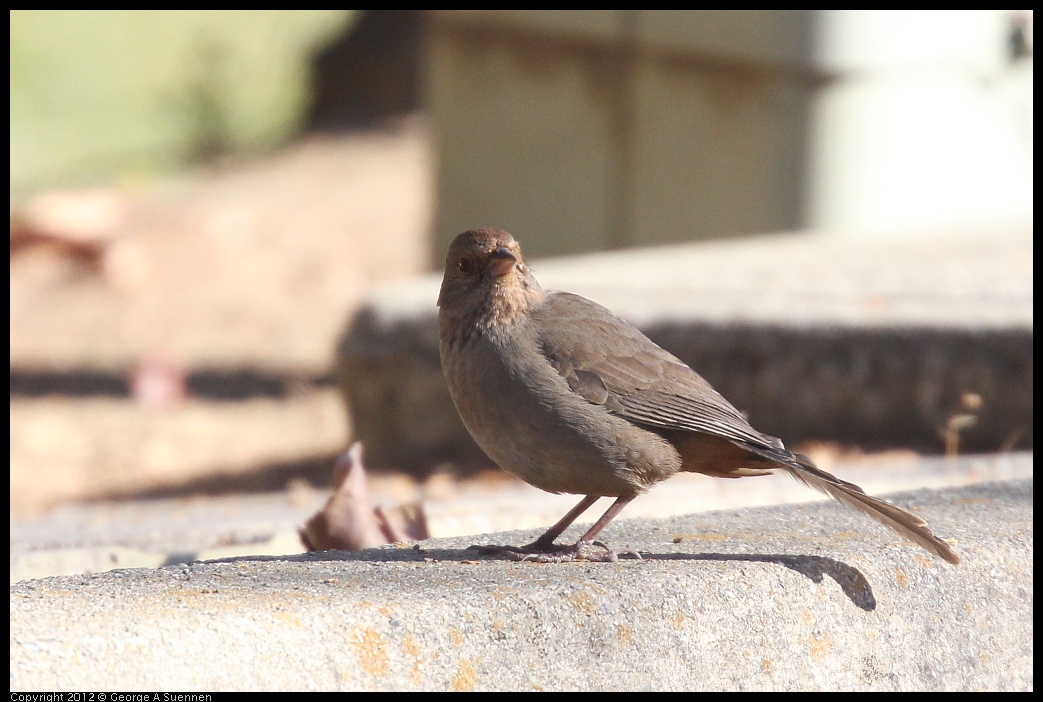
point(466, 265)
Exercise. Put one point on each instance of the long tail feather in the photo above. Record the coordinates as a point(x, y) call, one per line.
point(905, 523)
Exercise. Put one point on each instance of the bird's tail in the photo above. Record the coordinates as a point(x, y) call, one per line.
point(905, 523)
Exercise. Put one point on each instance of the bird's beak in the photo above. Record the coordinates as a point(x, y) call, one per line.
point(501, 261)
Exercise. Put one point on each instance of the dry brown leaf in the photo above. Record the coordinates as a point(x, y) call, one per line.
point(349, 521)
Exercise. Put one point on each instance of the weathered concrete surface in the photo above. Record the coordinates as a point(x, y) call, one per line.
point(785, 598)
point(874, 343)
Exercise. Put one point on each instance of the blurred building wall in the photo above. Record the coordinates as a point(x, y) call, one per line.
point(587, 130)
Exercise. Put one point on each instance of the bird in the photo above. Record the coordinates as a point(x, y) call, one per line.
point(570, 398)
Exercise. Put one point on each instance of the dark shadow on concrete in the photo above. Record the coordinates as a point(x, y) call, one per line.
point(851, 580)
point(28, 382)
point(217, 384)
point(815, 568)
point(876, 388)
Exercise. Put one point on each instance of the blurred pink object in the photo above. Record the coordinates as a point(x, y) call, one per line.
point(158, 382)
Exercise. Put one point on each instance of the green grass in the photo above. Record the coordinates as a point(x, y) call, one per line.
point(103, 95)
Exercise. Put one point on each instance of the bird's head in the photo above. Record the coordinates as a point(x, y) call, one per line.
point(485, 275)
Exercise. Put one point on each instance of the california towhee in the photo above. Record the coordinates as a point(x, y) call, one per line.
point(570, 398)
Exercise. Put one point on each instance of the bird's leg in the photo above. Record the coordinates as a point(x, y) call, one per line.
point(582, 549)
point(544, 544)
point(544, 550)
point(546, 541)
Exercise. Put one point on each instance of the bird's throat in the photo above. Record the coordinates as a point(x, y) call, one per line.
point(510, 298)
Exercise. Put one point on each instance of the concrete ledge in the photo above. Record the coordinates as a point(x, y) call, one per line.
point(786, 598)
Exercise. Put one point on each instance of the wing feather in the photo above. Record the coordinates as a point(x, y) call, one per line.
point(611, 363)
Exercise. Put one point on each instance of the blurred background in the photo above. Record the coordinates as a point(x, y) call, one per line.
point(203, 204)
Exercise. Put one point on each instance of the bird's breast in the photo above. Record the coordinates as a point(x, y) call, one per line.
point(523, 414)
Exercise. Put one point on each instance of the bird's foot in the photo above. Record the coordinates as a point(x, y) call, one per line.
point(545, 552)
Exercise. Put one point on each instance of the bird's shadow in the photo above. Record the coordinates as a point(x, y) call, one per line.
point(850, 579)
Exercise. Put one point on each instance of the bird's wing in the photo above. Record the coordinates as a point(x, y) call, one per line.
point(610, 362)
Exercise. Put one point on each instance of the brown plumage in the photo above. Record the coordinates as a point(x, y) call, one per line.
point(570, 398)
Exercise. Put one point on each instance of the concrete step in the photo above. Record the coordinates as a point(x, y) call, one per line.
point(782, 598)
point(923, 343)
